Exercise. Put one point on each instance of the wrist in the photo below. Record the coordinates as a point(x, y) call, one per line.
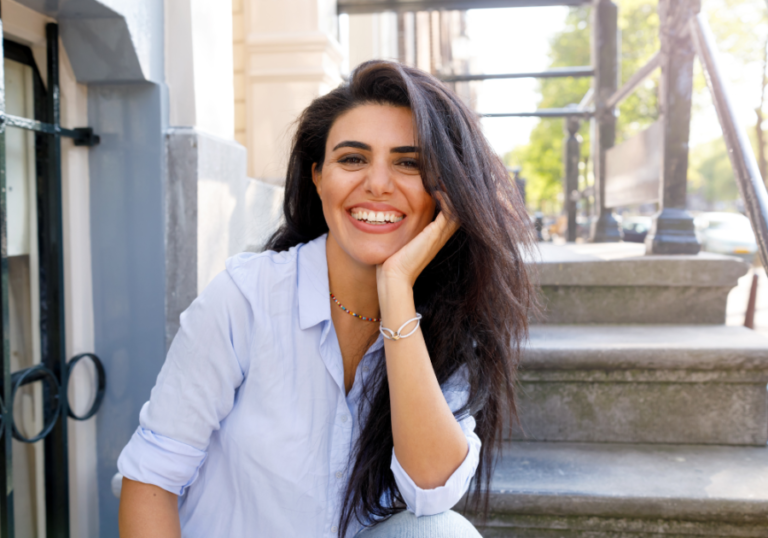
point(395, 299)
point(390, 281)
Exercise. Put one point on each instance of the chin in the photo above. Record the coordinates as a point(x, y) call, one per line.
point(373, 256)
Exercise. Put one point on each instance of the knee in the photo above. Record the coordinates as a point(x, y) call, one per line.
point(406, 525)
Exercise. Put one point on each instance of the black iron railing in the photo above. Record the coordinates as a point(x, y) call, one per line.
point(54, 371)
point(555, 72)
point(377, 6)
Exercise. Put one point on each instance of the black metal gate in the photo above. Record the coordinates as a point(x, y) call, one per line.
point(54, 370)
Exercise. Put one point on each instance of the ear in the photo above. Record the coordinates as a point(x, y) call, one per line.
point(317, 177)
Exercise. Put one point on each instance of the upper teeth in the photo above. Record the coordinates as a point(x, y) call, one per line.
point(376, 216)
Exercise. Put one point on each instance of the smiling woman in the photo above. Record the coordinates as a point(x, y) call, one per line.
point(356, 375)
point(370, 186)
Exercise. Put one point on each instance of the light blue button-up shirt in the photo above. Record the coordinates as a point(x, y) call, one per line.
point(249, 422)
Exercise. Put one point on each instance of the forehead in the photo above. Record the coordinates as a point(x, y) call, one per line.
point(375, 125)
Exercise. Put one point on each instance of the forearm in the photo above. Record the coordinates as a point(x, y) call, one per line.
point(429, 442)
point(147, 511)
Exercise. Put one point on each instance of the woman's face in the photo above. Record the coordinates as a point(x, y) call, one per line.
point(373, 199)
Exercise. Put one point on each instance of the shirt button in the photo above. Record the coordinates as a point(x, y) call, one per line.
point(334, 529)
point(339, 474)
point(344, 418)
point(365, 369)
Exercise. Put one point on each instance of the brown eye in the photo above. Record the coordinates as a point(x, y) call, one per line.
point(412, 165)
point(351, 159)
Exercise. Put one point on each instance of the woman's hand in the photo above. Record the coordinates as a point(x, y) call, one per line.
point(429, 443)
point(406, 264)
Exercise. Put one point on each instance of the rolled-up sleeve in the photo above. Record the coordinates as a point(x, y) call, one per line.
point(427, 502)
point(194, 392)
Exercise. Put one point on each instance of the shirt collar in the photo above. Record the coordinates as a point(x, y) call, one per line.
point(313, 287)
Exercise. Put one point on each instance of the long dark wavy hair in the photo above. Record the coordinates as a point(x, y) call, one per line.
point(475, 297)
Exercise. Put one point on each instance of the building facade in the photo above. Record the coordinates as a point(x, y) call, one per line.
point(146, 218)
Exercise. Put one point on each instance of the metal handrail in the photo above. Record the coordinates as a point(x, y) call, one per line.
point(82, 136)
point(745, 168)
point(634, 81)
point(555, 72)
point(568, 112)
point(354, 7)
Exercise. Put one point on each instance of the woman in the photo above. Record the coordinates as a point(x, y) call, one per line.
point(357, 373)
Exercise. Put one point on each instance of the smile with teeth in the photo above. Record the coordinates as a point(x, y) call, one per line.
point(376, 217)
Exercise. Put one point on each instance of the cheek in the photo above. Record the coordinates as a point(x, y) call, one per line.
point(333, 192)
point(425, 206)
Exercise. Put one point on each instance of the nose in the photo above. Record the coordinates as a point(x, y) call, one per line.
point(379, 181)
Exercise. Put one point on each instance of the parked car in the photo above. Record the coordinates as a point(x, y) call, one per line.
point(635, 228)
point(726, 233)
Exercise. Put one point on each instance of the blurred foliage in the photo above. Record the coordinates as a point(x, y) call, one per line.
point(741, 28)
point(710, 176)
point(541, 159)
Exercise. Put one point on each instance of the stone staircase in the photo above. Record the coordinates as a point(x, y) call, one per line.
point(642, 414)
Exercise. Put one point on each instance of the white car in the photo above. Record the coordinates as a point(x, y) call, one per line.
point(726, 233)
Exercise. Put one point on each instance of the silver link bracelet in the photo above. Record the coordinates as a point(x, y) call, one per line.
point(389, 334)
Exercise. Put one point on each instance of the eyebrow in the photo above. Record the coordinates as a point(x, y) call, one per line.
point(352, 144)
point(366, 147)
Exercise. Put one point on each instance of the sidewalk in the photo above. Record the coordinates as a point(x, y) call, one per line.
point(739, 296)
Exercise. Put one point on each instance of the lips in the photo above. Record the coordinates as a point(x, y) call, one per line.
point(375, 218)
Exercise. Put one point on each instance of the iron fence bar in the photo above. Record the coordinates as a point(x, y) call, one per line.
point(605, 57)
point(571, 158)
point(101, 384)
point(745, 168)
point(635, 81)
point(587, 100)
point(544, 113)
point(83, 136)
point(672, 227)
point(56, 462)
point(356, 7)
point(557, 72)
point(54, 392)
point(6, 452)
point(29, 375)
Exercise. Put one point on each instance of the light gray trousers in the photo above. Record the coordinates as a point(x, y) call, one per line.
point(406, 525)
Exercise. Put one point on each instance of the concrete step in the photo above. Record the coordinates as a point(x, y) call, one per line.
point(618, 283)
point(569, 490)
point(694, 384)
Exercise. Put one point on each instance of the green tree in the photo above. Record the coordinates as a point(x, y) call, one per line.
point(541, 158)
point(710, 176)
point(741, 29)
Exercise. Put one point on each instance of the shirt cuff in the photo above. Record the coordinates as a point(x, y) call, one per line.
point(428, 502)
point(161, 461)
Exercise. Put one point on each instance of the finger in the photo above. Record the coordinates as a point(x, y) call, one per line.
point(445, 204)
point(447, 225)
point(444, 228)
